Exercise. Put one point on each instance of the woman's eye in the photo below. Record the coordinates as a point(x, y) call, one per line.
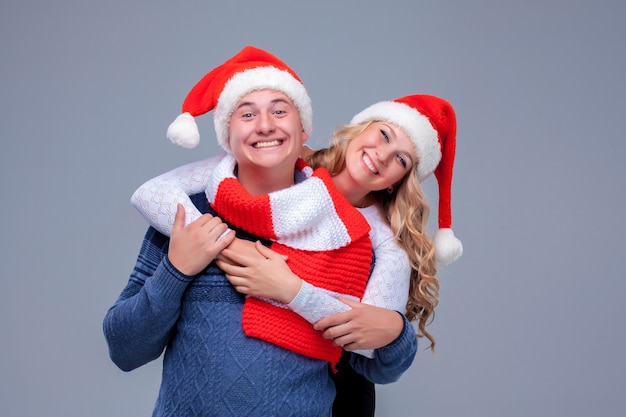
point(246, 115)
point(385, 135)
point(402, 161)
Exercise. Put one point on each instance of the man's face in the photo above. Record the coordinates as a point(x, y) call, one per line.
point(265, 132)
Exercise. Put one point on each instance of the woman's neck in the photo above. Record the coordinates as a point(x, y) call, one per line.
point(356, 195)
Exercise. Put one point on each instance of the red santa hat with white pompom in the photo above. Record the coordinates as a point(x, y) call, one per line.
point(250, 70)
point(430, 123)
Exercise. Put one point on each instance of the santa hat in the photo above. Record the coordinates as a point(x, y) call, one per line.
point(430, 123)
point(220, 90)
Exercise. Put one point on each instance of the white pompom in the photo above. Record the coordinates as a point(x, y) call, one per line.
point(447, 247)
point(183, 131)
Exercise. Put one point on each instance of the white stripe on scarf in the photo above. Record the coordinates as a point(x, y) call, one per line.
point(303, 215)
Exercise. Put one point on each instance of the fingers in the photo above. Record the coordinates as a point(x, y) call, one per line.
point(217, 230)
point(236, 276)
point(335, 332)
point(225, 233)
point(214, 229)
point(332, 321)
point(349, 302)
point(204, 220)
point(179, 219)
point(230, 268)
point(244, 253)
point(240, 284)
point(340, 336)
point(231, 257)
point(267, 252)
point(224, 239)
point(338, 319)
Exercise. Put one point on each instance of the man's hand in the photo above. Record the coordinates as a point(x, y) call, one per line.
point(193, 247)
point(363, 327)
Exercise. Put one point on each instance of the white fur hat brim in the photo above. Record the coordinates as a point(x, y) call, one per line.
point(415, 125)
point(260, 78)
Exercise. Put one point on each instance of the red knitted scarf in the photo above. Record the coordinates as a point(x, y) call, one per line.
point(339, 261)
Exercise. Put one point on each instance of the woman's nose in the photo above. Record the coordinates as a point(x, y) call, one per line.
point(383, 154)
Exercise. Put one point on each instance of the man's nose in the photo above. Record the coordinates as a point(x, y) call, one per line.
point(265, 123)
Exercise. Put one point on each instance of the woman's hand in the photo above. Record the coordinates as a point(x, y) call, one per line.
point(256, 270)
point(193, 247)
point(363, 327)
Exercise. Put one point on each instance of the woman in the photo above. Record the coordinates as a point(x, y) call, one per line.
point(362, 153)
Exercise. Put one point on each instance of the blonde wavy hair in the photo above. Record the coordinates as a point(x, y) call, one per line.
point(406, 211)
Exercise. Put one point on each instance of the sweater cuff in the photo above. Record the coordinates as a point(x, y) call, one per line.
point(169, 281)
point(300, 300)
point(404, 343)
point(314, 304)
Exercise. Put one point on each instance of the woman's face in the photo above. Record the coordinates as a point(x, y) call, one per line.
point(379, 157)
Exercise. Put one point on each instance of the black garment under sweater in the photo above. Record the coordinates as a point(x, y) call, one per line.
point(356, 396)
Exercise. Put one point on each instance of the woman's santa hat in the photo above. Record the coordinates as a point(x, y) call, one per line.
point(430, 123)
point(250, 70)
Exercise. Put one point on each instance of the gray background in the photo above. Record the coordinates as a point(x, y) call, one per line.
point(531, 318)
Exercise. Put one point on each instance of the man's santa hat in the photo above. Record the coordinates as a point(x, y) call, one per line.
point(250, 70)
point(430, 123)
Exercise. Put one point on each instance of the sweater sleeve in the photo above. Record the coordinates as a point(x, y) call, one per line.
point(138, 325)
point(157, 199)
point(391, 361)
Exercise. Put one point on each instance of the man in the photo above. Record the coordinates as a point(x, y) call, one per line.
point(227, 355)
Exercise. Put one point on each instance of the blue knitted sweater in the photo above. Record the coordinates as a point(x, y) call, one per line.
point(210, 368)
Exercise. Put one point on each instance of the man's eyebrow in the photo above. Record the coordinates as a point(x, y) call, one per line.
point(245, 103)
point(252, 103)
point(281, 100)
